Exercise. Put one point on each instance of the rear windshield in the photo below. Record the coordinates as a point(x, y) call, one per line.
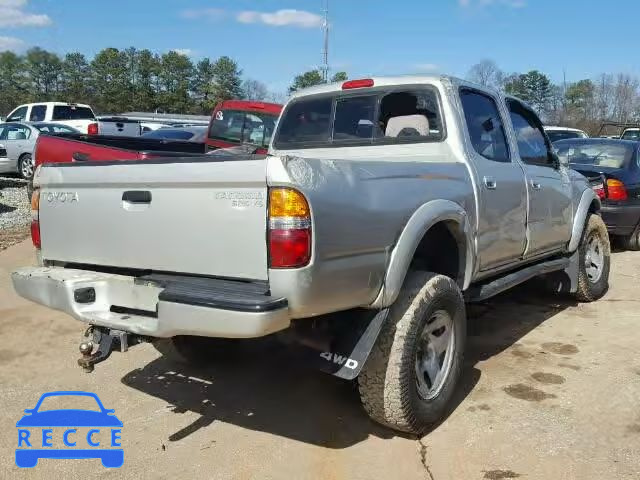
point(631, 135)
point(373, 118)
point(609, 155)
point(236, 126)
point(555, 135)
point(71, 112)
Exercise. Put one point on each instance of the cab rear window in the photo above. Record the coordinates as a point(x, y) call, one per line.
point(376, 117)
point(236, 126)
point(71, 112)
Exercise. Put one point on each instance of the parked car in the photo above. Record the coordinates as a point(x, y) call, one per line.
point(383, 206)
point(561, 133)
point(117, 126)
point(631, 133)
point(19, 140)
point(75, 115)
point(614, 168)
point(235, 122)
point(191, 134)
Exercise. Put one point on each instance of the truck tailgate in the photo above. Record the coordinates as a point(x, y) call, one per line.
point(189, 216)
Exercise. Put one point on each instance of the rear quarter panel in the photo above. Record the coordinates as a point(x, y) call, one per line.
point(360, 207)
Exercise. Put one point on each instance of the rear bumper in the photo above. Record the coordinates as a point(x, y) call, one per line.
point(156, 308)
point(621, 219)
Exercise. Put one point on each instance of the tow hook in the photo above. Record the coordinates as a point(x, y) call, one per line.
point(104, 341)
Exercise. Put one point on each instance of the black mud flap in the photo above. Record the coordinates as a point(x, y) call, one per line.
point(350, 347)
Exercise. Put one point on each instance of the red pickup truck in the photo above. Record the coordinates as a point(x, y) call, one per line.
point(236, 122)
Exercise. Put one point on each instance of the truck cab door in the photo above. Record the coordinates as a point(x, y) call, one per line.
point(502, 207)
point(548, 184)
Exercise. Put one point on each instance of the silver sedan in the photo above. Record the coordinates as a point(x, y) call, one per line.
point(19, 141)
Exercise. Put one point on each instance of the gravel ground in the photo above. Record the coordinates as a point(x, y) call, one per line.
point(15, 211)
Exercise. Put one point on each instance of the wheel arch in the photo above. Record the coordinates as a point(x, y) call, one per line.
point(589, 204)
point(434, 222)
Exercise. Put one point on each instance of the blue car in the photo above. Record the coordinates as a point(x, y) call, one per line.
point(613, 169)
point(69, 418)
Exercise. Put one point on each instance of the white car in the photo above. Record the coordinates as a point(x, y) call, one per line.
point(563, 133)
point(74, 115)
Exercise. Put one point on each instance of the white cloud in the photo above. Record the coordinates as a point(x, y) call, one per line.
point(187, 52)
point(486, 3)
point(11, 43)
point(202, 13)
point(12, 15)
point(426, 67)
point(282, 18)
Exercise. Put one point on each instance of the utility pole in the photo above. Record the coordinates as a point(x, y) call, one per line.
point(325, 50)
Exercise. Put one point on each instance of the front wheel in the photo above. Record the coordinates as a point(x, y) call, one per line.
point(410, 377)
point(594, 260)
point(26, 166)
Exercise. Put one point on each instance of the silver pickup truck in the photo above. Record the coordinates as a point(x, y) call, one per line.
point(383, 206)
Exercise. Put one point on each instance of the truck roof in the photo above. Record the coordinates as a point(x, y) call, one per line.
point(84, 105)
point(379, 82)
point(250, 105)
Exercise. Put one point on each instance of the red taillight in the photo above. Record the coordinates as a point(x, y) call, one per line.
point(616, 190)
point(35, 218)
point(289, 229)
point(35, 234)
point(600, 191)
point(289, 248)
point(92, 129)
point(363, 83)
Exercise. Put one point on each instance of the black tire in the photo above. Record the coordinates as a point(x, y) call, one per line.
point(632, 242)
point(590, 287)
point(197, 351)
point(23, 171)
point(388, 383)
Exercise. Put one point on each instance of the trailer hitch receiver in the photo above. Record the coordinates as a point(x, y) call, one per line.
point(100, 342)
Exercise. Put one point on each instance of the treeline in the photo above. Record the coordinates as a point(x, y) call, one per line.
point(583, 104)
point(116, 81)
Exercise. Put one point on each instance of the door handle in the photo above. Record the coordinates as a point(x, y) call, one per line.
point(535, 185)
point(137, 196)
point(490, 183)
point(80, 157)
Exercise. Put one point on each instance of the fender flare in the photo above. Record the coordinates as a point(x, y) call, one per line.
point(580, 217)
point(425, 217)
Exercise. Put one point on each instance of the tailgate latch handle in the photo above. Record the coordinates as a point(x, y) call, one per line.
point(137, 196)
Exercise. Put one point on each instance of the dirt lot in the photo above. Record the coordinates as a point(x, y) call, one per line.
point(551, 391)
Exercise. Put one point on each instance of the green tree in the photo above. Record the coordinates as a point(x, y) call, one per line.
point(227, 80)
point(307, 79)
point(146, 81)
point(110, 81)
point(76, 74)
point(14, 87)
point(45, 72)
point(340, 77)
point(533, 87)
point(176, 71)
point(203, 86)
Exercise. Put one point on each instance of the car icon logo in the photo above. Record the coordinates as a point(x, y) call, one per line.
point(69, 433)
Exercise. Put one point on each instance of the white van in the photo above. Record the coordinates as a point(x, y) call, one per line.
point(76, 115)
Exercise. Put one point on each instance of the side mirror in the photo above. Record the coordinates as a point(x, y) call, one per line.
point(558, 161)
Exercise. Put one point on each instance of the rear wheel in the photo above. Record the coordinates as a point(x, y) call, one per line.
point(410, 377)
point(594, 261)
point(26, 166)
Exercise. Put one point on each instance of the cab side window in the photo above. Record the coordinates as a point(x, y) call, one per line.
point(486, 130)
point(38, 113)
point(18, 115)
point(533, 146)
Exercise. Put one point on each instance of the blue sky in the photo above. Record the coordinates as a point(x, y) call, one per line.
point(273, 40)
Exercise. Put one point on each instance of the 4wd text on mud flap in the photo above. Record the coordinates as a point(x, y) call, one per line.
point(340, 360)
